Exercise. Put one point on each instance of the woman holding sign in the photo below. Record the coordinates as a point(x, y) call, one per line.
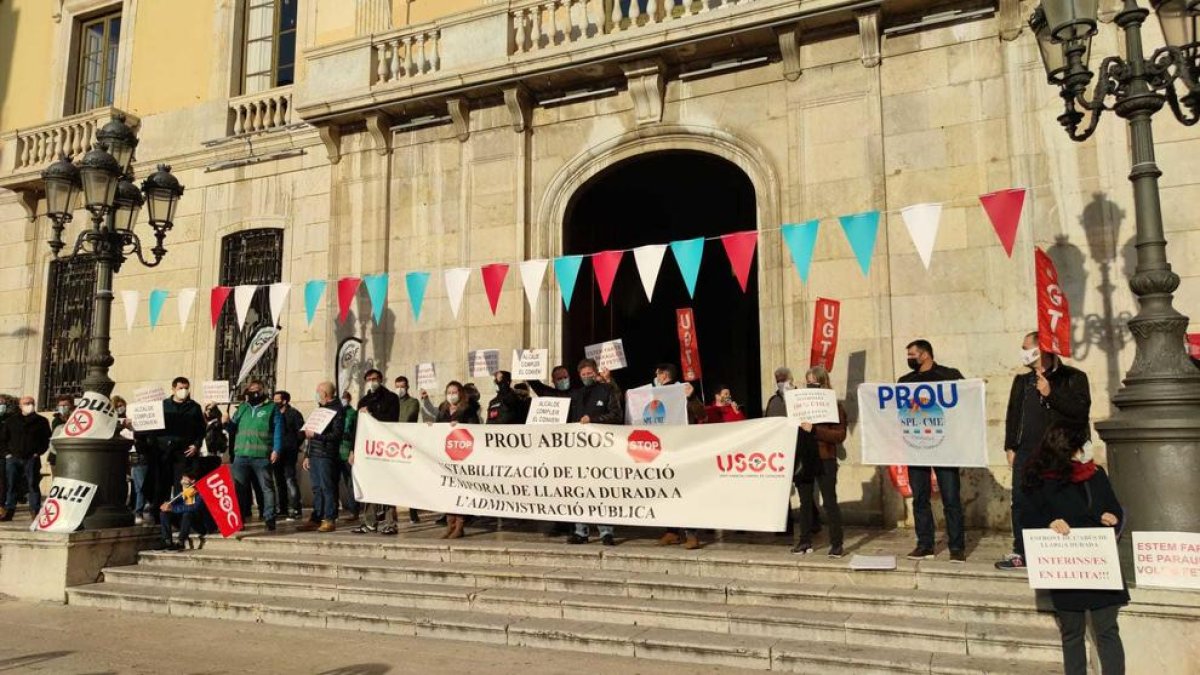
point(1066, 489)
point(458, 408)
point(816, 463)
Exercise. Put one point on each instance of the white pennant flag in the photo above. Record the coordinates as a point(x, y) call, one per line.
point(922, 221)
point(532, 273)
point(456, 284)
point(278, 296)
point(242, 297)
point(187, 297)
point(649, 261)
point(130, 299)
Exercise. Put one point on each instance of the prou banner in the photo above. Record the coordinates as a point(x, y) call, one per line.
point(734, 476)
point(924, 423)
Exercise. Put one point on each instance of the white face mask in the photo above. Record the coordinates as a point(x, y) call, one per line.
point(27, 409)
point(1029, 357)
point(452, 399)
point(402, 391)
point(181, 394)
point(63, 410)
point(372, 385)
point(1085, 454)
point(784, 386)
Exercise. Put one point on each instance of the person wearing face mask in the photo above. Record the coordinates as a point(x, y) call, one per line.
point(283, 472)
point(384, 406)
point(1048, 393)
point(409, 407)
point(176, 447)
point(817, 465)
point(8, 408)
point(64, 406)
point(724, 408)
point(776, 405)
point(458, 408)
point(321, 461)
point(186, 507)
point(256, 430)
point(505, 406)
point(27, 438)
point(1065, 489)
point(137, 463)
point(560, 386)
point(596, 402)
point(922, 368)
point(345, 484)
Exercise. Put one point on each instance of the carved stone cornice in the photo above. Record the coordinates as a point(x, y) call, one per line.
point(379, 126)
point(331, 136)
point(460, 115)
point(520, 106)
point(648, 86)
point(789, 49)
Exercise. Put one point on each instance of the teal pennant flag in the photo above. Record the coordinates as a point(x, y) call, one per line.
point(688, 254)
point(157, 299)
point(566, 272)
point(801, 240)
point(377, 287)
point(313, 290)
point(416, 283)
point(860, 230)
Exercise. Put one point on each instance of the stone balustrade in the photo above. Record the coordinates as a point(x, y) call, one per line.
point(37, 147)
point(405, 56)
point(264, 111)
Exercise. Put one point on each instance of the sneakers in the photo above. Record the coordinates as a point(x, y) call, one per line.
point(271, 525)
point(576, 539)
point(802, 548)
point(389, 529)
point(958, 556)
point(669, 539)
point(1012, 561)
point(836, 552)
point(137, 520)
point(921, 553)
point(363, 529)
point(607, 540)
point(327, 526)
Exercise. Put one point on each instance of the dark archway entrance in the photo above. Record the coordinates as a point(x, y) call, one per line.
point(655, 199)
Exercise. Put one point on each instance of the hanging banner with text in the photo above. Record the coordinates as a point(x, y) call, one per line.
point(924, 424)
point(826, 314)
point(689, 345)
point(1167, 559)
point(734, 476)
point(1054, 313)
point(1086, 558)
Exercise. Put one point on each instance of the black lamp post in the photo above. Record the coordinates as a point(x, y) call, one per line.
point(1153, 438)
point(113, 203)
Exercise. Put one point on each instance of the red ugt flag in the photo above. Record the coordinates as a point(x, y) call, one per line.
point(221, 499)
point(826, 315)
point(1054, 313)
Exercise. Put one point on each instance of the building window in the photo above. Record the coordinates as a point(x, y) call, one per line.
point(96, 62)
point(70, 290)
point(252, 257)
point(269, 54)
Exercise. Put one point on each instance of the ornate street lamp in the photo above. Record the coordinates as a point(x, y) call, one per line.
point(113, 202)
point(1153, 438)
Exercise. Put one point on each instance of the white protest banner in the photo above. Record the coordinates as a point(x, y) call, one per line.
point(656, 405)
point(483, 362)
point(923, 424)
point(530, 364)
point(734, 476)
point(816, 406)
point(427, 377)
point(1084, 559)
point(146, 416)
point(548, 410)
point(1167, 559)
point(147, 394)
point(318, 419)
point(93, 417)
point(214, 391)
point(608, 355)
point(65, 506)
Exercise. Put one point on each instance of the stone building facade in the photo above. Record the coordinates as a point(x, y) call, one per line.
point(423, 135)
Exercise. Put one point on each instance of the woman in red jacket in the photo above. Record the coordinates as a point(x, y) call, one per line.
point(816, 462)
point(724, 409)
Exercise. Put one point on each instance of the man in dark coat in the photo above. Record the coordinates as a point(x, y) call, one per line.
point(26, 437)
point(505, 407)
point(287, 489)
point(596, 402)
point(176, 447)
point(384, 406)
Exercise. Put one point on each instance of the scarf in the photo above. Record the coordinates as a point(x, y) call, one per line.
point(1081, 472)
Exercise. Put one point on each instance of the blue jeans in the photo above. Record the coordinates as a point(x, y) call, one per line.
point(582, 529)
point(138, 473)
point(322, 471)
point(950, 485)
point(32, 470)
point(256, 470)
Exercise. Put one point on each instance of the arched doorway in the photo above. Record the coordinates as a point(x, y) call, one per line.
point(657, 198)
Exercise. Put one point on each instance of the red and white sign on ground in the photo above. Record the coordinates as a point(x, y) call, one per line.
point(826, 315)
point(65, 506)
point(219, 495)
point(1054, 313)
point(689, 345)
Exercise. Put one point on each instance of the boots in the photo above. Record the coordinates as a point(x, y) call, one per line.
point(691, 543)
point(327, 526)
point(454, 529)
point(669, 539)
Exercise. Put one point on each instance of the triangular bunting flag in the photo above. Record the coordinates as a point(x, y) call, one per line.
point(861, 229)
point(566, 271)
point(377, 288)
point(604, 266)
point(242, 297)
point(130, 300)
point(922, 221)
point(456, 284)
point(187, 297)
point(216, 301)
point(158, 298)
point(277, 294)
point(649, 261)
point(532, 274)
point(416, 283)
point(688, 254)
point(740, 246)
point(493, 282)
point(1004, 209)
point(313, 290)
point(346, 288)
point(801, 240)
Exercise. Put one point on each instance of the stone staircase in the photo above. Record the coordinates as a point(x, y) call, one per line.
point(734, 604)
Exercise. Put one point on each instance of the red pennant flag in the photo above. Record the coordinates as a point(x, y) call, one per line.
point(216, 301)
point(347, 287)
point(605, 265)
point(1004, 209)
point(220, 498)
point(739, 246)
point(493, 282)
point(1054, 313)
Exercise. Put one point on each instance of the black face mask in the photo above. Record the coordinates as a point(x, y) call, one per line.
point(913, 364)
point(814, 385)
point(254, 398)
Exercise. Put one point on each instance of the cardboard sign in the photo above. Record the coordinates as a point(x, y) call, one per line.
point(65, 506)
point(548, 410)
point(220, 497)
point(530, 364)
point(689, 345)
point(93, 417)
point(816, 406)
point(607, 355)
point(826, 315)
point(1084, 559)
point(146, 416)
point(1054, 313)
point(147, 394)
point(1167, 559)
point(214, 391)
point(427, 377)
point(319, 419)
point(483, 362)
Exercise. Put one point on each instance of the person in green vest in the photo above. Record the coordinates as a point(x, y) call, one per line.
point(344, 484)
point(256, 428)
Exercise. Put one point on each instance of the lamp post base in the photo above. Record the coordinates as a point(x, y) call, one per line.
point(103, 462)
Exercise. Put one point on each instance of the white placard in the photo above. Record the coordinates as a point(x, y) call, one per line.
point(548, 410)
point(93, 417)
point(318, 419)
point(1084, 559)
point(607, 355)
point(146, 416)
point(923, 423)
point(1167, 559)
point(483, 362)
point(65, 506)
point(530, 364)
point(147, 394)
point(656, 405)
point(816, 406)
point(427, 379)
point(214, 391)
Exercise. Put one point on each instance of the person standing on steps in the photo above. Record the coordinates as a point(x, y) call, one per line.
point(256, 430)
point(817, 463)
point(321, 457)
point(384, 406)
point(922, 368)
point(410, 411)
point(597, 401)
point(27, 437)
point(777, 407)
point(283, 472)
point(458, 408)
point(345, 484)
point(175, 448)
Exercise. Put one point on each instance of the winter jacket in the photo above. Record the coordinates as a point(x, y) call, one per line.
point(466, 413)
point(25, 436)
point(408, 409)
point(1070, 401)
point(328, 443)
point(600, 402)
point(381, 404)
point(938, 373)
point(291, 422)
point(349, 427)
point(184, 425)
point(723, 413)
point(505, 408)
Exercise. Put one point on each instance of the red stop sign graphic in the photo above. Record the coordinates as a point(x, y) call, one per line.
point(80, 423)
point(644, 446)
point(49, 514)
point(459, 444)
